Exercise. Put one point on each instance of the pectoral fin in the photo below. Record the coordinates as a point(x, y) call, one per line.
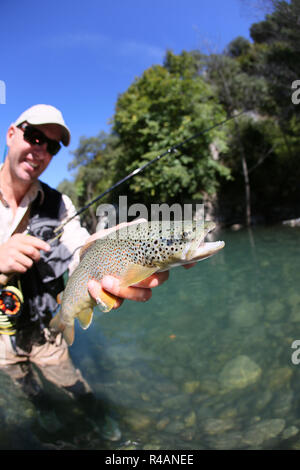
point(100, 297)
point(85, 317)
point(136, 273)
point(105, 301)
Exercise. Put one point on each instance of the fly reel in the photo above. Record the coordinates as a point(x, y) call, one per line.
point(11, 300)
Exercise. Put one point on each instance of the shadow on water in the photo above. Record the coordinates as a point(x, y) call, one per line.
point(206, 364)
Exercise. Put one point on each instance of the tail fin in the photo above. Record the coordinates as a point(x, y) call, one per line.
point(67, 330)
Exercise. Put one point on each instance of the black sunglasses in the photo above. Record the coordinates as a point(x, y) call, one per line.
point(34, 136)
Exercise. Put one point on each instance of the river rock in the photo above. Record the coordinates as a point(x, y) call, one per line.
point(294, 306)
point(227, 441)
point(190, 420)
point(239, 373)
point(283, 403)
point(280, 377)
point(261, 432)
point(137, 421)
point(263, 399)
point(162, 423)
point(245, 314)
point(191, 386)
point(290, 432)
point(217, 426)
point(275, 311)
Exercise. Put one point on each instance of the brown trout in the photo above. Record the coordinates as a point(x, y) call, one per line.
point(132, 254)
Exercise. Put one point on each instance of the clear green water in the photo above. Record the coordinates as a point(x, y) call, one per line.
point(206, 364)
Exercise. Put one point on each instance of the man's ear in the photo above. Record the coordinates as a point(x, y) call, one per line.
point(10, 134)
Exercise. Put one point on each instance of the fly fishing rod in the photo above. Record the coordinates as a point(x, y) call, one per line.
point(59, 230)
point(11, 298)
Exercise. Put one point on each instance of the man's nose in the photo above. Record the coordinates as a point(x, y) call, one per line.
point(41, 150)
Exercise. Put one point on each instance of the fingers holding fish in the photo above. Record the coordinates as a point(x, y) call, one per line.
point(95, 290)
point(138, 294)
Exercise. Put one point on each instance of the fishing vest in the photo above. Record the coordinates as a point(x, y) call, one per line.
point(41, 284)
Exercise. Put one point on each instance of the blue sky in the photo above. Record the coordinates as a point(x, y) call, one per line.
point(80, 55)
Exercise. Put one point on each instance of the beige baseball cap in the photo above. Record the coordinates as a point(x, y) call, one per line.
point(45, 114)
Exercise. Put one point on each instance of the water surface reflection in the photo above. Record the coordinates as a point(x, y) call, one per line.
point(206, 364)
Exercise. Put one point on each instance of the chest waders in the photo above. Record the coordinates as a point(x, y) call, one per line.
point(29, 300)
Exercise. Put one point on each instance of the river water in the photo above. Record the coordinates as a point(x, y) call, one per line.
point(207, 363)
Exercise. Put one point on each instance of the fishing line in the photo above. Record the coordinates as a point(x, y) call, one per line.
point(138, 170)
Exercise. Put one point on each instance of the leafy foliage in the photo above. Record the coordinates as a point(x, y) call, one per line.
point(190, 92)
point(159, 110)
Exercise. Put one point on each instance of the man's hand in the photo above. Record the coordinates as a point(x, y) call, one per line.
point(19, 253)
point(140, 292)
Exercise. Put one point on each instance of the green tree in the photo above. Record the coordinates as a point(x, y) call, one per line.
point(94, 161)
point(238, 47)
point(279, 38)
point(237, 91)
point(165, 106)
point(68, 187)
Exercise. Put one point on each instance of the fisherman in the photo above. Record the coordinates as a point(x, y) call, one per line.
point(33, 272)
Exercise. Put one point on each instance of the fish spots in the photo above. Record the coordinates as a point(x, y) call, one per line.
point(148, 245)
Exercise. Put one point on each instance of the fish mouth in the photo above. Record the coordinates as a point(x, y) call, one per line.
point(206, 249)
point(203, 249)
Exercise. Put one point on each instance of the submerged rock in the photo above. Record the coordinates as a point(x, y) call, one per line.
point(283, 403)
point(263, 431)
point(229, 441)
point(190, 420)
point(290, 432)
point(280, 376)
point(275, 311)
point(162, 423)
point(263, 399)
point(294, 306)
point(239, 373)
point(137, 421)
point(191, 387)
point(217, 426)
point(246, 314)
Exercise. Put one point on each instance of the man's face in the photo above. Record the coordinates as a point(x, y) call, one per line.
point(27, 162)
